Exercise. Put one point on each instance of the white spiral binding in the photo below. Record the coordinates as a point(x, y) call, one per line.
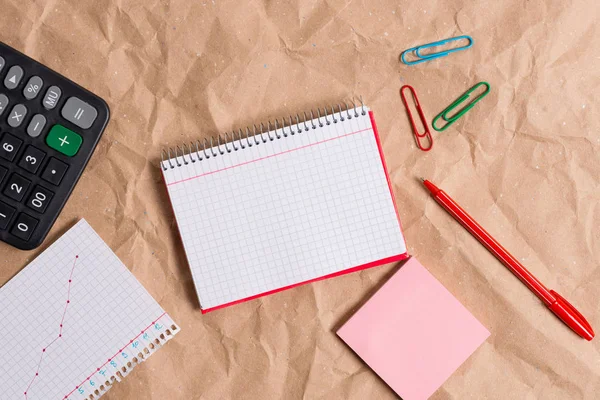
point(205, 149)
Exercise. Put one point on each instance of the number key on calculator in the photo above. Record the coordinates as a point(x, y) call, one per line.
point(49, 128)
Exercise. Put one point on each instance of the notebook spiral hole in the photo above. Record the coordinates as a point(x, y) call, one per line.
point(206, 155)
point(290, 125)
point(340, 112)
point(178, 151)
point(257, 141)
point(304, 122)
point(277, 128)
point(192, 144)
point(298, 129)
point(185, 153)
point(212, 147)
point(235, 148)
point(319, 117)
point(228, 142)
point(312, 120)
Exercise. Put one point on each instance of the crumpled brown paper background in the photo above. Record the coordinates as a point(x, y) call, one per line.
point(524, 162)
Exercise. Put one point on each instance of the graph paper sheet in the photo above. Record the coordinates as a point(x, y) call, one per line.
point(286, 211)
point(77, 321)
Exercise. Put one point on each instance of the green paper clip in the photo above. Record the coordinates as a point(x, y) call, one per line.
point(463, 111)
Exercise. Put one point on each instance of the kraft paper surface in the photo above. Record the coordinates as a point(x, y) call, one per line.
point(523, 162)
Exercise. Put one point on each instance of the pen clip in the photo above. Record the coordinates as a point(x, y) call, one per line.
point(580, 317)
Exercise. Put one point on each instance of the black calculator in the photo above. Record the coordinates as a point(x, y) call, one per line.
point(49, 128)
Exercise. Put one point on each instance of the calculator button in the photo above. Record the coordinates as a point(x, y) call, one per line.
point(35, 127)
point(64, 140)
point(13, 77)
point(54, 172)
point(16, 187)
point(31, 159)
point(33, 87)
point(2, 62)
point(79, 112)
point(17, 115)
point(24, 226)
point(6, 213)
point(3, 103)
point(3, 172)
point(40, 197)
point(9, 146)
point(51, 98)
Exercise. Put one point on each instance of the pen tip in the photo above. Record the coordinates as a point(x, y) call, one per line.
point(422, 179)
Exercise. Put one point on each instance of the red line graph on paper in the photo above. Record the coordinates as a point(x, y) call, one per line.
point(60, 332)
point(62, 320)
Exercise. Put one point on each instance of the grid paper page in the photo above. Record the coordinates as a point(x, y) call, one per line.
point(284, 211)
point(77, 320)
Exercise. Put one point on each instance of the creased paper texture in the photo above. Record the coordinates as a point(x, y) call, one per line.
point(523, 162)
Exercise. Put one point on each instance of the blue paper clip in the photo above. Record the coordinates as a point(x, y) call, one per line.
point(422, 58)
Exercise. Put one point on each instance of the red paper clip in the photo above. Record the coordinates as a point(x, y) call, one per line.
point(418, 136)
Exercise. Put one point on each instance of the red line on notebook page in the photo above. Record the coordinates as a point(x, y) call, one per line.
point(266, 157)
point(62, 320)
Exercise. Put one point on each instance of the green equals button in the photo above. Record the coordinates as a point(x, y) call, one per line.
point(64, 140)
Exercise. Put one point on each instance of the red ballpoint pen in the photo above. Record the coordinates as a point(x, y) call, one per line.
point(555, 302)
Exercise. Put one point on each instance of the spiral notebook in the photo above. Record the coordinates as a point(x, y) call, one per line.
point(76, 322)
point(265, 209)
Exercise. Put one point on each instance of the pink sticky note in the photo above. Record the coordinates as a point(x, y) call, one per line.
point(413, 333)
